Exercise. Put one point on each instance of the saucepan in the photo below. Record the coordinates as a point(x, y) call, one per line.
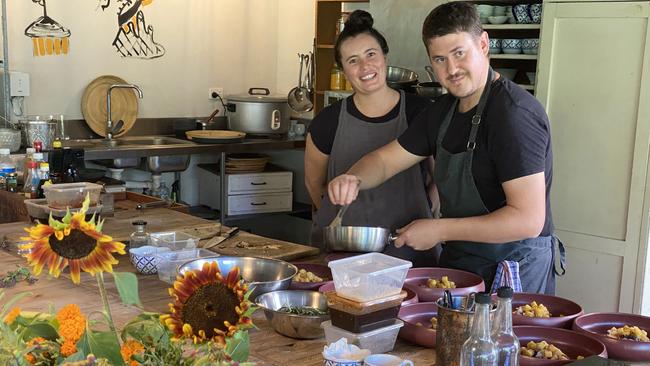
point(357, 238)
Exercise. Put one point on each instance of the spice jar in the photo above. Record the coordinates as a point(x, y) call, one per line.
point(337, 79)
point(12, 181)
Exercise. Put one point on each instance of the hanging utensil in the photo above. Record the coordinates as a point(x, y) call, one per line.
point(204, 124)
point(298, 97)
point(429, 71)
point(339, 216)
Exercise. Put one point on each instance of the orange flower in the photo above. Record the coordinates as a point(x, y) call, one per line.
point(73, 242)
point(34, 341)
point(72, 325)
point(208, 306)
point(130, 348)
point(11, 317)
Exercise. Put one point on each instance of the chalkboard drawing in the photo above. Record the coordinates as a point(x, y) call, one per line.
point(134, 37)
point(48, 36)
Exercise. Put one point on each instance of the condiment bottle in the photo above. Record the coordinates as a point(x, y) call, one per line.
point(139, 237)
point(479, 349)
point(44, 176)
point(12, 180)
point(337, 79)
point(502, 334)
point(30, 188)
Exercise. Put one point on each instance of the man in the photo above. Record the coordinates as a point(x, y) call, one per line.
point(493, 161)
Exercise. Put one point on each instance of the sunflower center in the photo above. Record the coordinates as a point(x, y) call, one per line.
point(209, 307)
point(74, 246)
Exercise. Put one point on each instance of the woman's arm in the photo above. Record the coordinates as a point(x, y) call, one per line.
point(315, 172)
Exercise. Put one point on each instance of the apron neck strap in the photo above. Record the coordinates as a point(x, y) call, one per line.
point(476, 119)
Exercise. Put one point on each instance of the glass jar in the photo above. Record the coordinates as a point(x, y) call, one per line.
point(337, 79)
point(12, 181)
point(140, 237)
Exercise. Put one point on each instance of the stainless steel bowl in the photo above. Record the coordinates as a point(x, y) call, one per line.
point(400, 77)
point(293, 325)
point(356, 238)
point(263, 274)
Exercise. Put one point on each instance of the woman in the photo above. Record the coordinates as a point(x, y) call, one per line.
point(347, 130)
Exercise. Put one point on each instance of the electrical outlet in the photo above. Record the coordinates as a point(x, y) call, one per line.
point(213, 92)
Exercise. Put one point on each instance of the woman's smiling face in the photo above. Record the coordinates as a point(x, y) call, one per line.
point(364, 63)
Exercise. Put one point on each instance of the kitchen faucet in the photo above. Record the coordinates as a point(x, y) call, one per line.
point(109, 122)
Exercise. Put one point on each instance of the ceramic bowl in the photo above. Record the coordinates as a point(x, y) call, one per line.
point(596, 325)
point(572, 343)
point(495, 45)
point(319, 270)
point(530, 45)
point(521, 13)
point(531, 77)
point(507, 73)
point(466, 282)
point(535, 12)
point(500, 10)
point(328, 362)
point(144, 259)
point(563, 311)
point(511, 45)
point(422, 313)
point(485, 10)
point(497, 19)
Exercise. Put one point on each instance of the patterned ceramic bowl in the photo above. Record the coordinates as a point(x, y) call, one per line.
point(530, 45)
point(495, 45)
point(535, 12)
point(511, 45)
point(520, 11)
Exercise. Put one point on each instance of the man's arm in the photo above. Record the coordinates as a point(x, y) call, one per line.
point(522, 217)
point(372, 170)
point(315, 171)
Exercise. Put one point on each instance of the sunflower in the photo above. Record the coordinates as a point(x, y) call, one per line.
point(208, 306)
point(72, 241)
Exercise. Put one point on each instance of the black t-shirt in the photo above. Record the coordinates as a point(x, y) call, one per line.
point(323, 126)
point(513, 141)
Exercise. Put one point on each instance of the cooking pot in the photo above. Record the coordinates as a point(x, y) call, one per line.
point(431, 89)
point(258, 112)
point(401, 78)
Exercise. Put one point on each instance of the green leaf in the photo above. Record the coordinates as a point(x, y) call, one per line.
point(238, 346)
point(9, 304)
point(78, 356)
point(127, 286)
point(41, 329)
point(102, 345)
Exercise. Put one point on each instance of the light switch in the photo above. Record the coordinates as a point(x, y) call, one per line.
point(19, 84)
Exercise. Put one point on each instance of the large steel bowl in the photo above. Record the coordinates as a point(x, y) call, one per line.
point(356, 238)
point(294, 325)
point(263, 274)
point(399, 77)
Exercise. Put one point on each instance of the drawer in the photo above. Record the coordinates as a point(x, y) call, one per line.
point(259, 203)
point(258, 182)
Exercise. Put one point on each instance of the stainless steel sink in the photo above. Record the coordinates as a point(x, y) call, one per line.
point(166, 163)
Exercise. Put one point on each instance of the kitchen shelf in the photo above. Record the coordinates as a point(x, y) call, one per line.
point(505, 56)
point(527, 86)
point(325, 46)
point(511, 26)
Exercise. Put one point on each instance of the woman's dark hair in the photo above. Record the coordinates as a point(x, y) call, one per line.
point(358, 22)
point(453, 17)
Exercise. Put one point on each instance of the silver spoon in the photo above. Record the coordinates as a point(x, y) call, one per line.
point(339, 216)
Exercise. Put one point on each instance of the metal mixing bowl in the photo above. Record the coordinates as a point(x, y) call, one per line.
point(263, 274)
point(356, 238)
point(399, 77)
point(293, 325)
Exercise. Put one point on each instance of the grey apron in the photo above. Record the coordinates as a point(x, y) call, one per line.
point(459, 197)
point(393, 204)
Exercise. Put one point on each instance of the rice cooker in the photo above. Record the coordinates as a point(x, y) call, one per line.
point(258, 112)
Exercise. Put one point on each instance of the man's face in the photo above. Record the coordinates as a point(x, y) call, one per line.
point(460, 62)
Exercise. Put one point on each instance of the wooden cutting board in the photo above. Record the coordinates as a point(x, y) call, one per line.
point(250, 245)
point(124, 105)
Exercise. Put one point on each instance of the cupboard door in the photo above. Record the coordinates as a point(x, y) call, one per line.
point(593, 81)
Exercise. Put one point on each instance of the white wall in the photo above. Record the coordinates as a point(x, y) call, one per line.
point(233, 44)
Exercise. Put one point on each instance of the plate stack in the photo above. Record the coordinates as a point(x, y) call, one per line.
point(246, 163)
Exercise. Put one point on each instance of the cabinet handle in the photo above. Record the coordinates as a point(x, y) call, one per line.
point(258, 184)
point(258, 204)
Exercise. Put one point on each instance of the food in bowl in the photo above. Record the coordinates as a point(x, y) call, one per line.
point(440, 283)
point(433, 322)
point(302, 310)
point(633, 333)
point(543, 350)
point(533, 310)
point(307, 276)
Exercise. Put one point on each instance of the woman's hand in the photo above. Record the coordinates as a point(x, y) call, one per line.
point(343, 189)
point(420, 234)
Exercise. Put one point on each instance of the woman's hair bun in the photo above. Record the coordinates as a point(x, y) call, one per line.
point(359, 20)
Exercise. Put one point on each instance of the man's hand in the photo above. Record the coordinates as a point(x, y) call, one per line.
point(420, 234)
point(343, 189)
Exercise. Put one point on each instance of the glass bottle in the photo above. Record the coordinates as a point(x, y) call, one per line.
point(140, 237)
point(479, 349)
point(337, 79)
point(30, 188)
point(43, 177)
point(12, 180)
point(163, 192)
point(502, 334)
point(29, 156)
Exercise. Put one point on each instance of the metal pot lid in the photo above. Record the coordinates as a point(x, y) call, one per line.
point(261, 95)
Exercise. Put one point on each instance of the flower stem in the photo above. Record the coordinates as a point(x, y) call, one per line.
point(107, 307)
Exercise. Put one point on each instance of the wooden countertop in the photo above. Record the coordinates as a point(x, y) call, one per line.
point(267, 346)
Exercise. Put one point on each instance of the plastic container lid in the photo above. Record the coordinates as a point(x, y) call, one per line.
point(4, 151)
point(38, 156)
point(30, 150)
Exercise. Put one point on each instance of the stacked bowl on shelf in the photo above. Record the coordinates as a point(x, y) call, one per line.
point(367, 298)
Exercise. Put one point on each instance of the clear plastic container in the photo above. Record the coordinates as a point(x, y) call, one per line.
point(174, 240)
point(71, 194)
point(369, 276)
point(38, 209)
point(168, 262)
point(377, 341)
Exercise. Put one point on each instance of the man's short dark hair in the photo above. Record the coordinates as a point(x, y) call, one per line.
point(449, 18)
